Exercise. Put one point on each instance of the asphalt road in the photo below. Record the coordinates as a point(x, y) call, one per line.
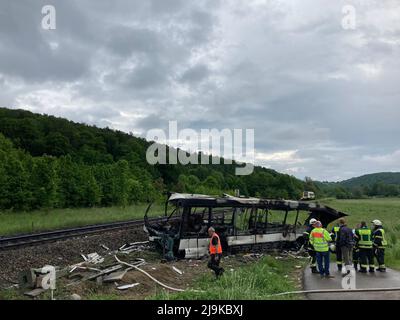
point(389, 279)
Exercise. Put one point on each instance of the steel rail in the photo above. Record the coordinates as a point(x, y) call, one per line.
point(60, 234)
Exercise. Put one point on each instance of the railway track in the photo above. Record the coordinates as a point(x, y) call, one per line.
point(42, 237)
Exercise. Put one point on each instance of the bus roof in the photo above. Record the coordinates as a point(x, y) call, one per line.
point(323, 212)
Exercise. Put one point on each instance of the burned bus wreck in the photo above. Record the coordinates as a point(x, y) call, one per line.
point(243, 224)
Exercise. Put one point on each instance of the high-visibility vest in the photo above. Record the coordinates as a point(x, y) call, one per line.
point(382, 237)
point(335, 232)
point(215, 249)
point(319, 238)
point(365, 238)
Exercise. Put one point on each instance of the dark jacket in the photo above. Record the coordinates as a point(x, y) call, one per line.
point(377, 237)
point(345, 237)
point(306, 236)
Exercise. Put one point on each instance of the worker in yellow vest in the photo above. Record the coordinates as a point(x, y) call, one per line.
point(319, 239)
point(308, 246)
point(215, 250)
point(379, 244)
point(364, 243)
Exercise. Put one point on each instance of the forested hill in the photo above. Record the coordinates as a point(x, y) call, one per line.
point(383, 184)
point(50, 162)
point(371, 179)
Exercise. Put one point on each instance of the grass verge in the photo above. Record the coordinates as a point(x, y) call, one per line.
point(43, 220)
point(385, 209)
point(256, 281)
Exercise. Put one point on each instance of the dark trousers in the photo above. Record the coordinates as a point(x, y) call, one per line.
point(313, 259)
point(339, 259)
point(323, 262)
point(347, 255)
point(366, 259)
point(380, 258)
point(213, 264)
point(356, 253)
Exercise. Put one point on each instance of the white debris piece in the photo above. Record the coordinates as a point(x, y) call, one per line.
point(134, 246)
point(127, 286)
point(73, 268)
point(94, 258)
point(177, 270)
point(105, 247)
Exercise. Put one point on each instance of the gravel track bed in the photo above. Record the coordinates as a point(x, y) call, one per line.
point(64, 252)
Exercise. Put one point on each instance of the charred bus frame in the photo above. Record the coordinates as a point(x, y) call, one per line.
point(243, 224)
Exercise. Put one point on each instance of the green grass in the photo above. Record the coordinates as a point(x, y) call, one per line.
point(251, 282)
point(385, 209)
point(11, 294)
point(26, 222)
point(105, 296)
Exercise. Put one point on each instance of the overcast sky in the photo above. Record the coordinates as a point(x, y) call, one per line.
point(324, 101)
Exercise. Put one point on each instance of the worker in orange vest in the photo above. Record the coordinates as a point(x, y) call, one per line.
point(215, 250)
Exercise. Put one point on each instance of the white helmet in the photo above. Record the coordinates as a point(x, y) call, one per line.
point(312, 221)
point(377, 222)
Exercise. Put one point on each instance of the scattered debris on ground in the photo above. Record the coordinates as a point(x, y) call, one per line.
point(292, 254)
point(100, 268)
point(62, 253)
point(135, 246)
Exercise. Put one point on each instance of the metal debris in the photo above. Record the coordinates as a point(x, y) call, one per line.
point(86, 268)
point(91, 258)
point(134, 246)
point(147, 274)
point(127, 286)
point(97, 275)
point(94, 258)
point(177, 270)
point(105, 271)
point(115, 276)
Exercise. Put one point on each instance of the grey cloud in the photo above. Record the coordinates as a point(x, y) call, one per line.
point(125, 40)
point(195, 74)
point(147, 76)
point(325, 96)
point(26, 50)
point(166, 6)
